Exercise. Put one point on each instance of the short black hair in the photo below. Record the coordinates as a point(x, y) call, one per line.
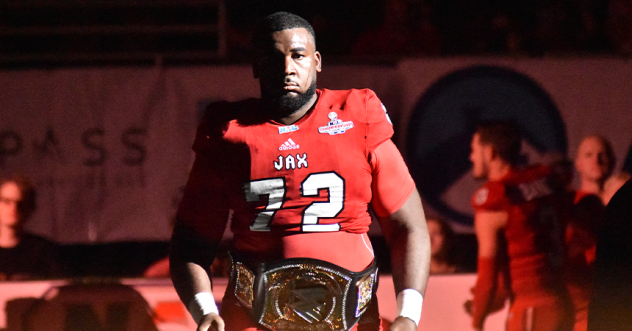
point(279, 21)
point(504, 137)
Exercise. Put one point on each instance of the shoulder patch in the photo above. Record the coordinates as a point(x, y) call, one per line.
point(480, 197)
point(388, 118)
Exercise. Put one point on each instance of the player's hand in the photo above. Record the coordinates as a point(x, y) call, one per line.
point(403, 324)
point(467, 305)
point(211, 322)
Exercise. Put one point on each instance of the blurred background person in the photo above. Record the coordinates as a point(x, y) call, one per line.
point(594, 163)
point(442, 240)
point(406, 30)
point(518, 221)
point(22, 255)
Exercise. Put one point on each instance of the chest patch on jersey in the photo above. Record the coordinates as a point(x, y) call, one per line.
point(335, 125)
point(288, 128)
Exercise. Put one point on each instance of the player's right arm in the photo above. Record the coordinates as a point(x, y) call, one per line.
point(201, 220)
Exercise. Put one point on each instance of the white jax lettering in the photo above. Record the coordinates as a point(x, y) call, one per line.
point(290, 162)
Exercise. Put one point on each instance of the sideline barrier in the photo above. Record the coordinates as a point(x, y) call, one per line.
point(442, 310)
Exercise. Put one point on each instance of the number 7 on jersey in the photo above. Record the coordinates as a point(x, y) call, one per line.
point(275, 190)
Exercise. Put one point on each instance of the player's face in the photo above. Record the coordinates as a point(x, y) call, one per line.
point(592, 160)
point(10, 198)
point(477, 157)
point(287, 70)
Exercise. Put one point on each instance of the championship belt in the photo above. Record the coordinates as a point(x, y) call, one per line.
point(304, 294)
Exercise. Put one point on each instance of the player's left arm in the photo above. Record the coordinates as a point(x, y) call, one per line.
point(487, 224)
point(406, 233)
point(403, 223)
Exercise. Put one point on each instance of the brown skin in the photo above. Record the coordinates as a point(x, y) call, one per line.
point(593, 164)
point(11, 217)
point(293, 51)
point(405, 230)
point(406, 233)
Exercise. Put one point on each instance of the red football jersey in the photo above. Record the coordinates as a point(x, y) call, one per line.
point(531, 247)
point(535, 223)
point(312, 176)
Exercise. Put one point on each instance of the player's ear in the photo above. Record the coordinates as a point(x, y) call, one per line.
point(489, 153)
point(319, 61)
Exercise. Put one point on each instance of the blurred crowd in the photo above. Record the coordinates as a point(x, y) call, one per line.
point(395, 28)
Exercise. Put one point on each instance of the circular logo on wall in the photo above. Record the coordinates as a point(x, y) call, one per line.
point(445, 118)
point(627, 164)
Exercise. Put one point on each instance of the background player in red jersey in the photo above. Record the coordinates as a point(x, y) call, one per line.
point(300, 189)
point(519, 226)
point(594, 163)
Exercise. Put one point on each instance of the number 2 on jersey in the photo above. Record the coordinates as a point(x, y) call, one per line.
point(275, 190)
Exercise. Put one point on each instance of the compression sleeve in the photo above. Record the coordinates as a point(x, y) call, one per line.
point(392, 184)
point(484, 290)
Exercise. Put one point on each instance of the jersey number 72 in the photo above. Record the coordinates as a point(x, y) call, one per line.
point(275, 190)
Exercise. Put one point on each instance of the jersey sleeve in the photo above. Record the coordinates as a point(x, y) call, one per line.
point(204, 203)
point(490, 197)
point(491, 290)
point(378, 125)
point(392, 184)
point(210, 129)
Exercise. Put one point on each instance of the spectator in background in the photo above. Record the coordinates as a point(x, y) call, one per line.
point(594, 163)
point(22, 255)
point(518, 223)
point(441, 246)
point(619, 26)
point(405, 31)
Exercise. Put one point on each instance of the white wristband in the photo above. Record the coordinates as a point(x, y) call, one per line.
point(202, 303)
point(409, 303)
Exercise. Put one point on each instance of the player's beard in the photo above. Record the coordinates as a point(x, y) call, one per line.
point(287, 104)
